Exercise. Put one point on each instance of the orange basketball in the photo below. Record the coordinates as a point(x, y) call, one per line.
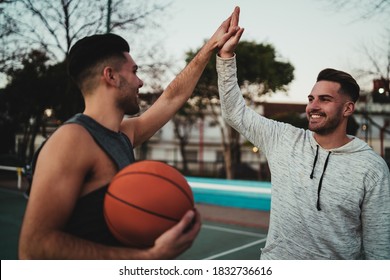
point(144, 200)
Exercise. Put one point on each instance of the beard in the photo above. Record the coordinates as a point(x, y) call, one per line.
point(326, 126)
point(128, 102)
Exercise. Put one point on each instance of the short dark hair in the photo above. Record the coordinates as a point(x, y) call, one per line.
point(348, 84)
point(90, 50)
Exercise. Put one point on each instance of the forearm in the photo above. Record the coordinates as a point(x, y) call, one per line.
point(60, 245)
point(182, 87)
point(232, 103)
point(173, 97)
point(254, 127)
point(56, 244)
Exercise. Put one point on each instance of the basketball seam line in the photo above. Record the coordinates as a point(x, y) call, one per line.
point(112, 227)
point(142, 209)
point(159, 176)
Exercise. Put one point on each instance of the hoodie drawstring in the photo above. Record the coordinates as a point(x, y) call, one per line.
point(314, 164)
point(322, 176)
point(320, 183)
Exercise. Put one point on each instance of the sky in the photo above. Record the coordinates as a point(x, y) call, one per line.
point(309, 34)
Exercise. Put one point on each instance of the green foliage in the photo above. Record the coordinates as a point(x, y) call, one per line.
point(27, 91)
point(37, 86)
point(34, 87)
point(256, 64)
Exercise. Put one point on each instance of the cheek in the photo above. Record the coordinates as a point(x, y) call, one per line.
point(308, 108)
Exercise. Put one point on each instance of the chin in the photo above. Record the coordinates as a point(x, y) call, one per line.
point(133, 111)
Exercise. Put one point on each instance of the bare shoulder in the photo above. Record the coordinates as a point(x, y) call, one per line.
point(70, 146)
point(71, 136)
point(75, 159)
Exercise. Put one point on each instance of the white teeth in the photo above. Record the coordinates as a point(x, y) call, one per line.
point(315, 116)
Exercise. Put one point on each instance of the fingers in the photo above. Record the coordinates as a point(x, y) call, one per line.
point(235, 17)
point(193, 228)
point(233, 36)
point(226, 23)
point(190, 222)
point(185, 223)
point(187, 229)
point(232, 21)
point(233, 33)
point(178, 238)
point(237, 36)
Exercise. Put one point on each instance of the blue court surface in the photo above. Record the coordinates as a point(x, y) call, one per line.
point(235, 217)
point(232, 193)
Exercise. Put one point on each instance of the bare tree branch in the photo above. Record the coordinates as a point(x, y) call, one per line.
point(54, 25)
point(365, 9)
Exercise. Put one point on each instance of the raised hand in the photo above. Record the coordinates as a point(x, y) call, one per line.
point(225, 31)
point(229, 41)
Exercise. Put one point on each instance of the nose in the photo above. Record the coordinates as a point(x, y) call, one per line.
point(313, 104)
point(141, 83)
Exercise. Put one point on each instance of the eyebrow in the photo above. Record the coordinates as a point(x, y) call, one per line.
point(322, 96)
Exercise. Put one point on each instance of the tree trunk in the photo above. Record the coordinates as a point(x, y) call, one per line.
point(235, 151)
point(34, 131)
point(226, 152)
point(182, 143)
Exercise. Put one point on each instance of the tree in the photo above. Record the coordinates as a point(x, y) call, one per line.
point(366, 9)
point(55, 25)
point(378, 53)
point(183, 122)
point(50, 27)
point(32, 89)
point(260, 72)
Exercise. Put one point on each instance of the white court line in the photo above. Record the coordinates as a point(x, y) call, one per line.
point(236, 249)
point(263, 236)
point(234, 231)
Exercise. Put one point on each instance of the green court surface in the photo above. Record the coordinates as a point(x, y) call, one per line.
point(12, 207)
point(219, 238)
point(226, 242)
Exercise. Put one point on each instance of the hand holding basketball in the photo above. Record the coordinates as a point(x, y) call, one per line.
point(144, 200)
point(179, 238)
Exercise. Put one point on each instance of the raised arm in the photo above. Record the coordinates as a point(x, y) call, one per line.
point(180, 89)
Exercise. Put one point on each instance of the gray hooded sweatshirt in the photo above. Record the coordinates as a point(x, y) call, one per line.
point(326, 204)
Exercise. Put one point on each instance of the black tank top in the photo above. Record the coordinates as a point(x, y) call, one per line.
point(87, 219)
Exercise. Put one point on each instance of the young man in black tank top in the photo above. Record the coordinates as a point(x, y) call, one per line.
point(72, 167)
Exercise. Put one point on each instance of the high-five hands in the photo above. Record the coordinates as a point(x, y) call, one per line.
point(232, 37)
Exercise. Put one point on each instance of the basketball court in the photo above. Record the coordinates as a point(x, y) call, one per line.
point(227, 232)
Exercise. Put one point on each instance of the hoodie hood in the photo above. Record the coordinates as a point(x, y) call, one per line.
point(354, 146)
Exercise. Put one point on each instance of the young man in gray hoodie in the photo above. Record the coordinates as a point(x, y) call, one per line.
point(330, 190)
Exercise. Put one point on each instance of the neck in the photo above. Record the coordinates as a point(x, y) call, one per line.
point(103, 111)
point(331, 141)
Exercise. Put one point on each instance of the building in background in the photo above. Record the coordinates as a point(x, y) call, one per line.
point(373, 116)
point(204, 150)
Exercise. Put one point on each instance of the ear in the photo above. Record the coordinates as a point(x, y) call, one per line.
point(111, 76)
point(349, 108)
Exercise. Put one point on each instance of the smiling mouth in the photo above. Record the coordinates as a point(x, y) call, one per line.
point(316, 116)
